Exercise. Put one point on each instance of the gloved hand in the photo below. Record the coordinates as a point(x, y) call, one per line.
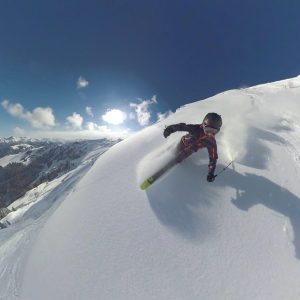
point(168, 131)
point(210, 177)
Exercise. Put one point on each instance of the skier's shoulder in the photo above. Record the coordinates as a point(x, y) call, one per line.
point(195, 128)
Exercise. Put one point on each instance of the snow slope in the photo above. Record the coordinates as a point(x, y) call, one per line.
point(184, 238)
point(29, 214)
point(11, 158)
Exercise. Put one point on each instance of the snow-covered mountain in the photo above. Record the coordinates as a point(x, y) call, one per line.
point(184, 238)
point(13, 139)
point(26, 163)
point(14, 149)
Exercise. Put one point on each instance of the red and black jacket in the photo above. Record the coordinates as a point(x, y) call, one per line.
point(196, 139)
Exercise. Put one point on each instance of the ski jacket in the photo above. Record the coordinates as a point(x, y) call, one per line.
point(195, 140)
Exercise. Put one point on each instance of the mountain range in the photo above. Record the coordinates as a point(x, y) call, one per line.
point(27, 163)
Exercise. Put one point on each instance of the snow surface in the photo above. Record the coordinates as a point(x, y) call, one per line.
point(21, 157)
point(21, 146)
point(184, 238)
point(11, 158)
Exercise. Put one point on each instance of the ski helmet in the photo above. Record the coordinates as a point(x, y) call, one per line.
point(212, 120)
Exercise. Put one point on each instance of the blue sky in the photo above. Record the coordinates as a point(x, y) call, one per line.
point(134, 59)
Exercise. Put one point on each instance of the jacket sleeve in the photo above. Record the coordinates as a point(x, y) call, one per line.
point(184, 127)
point(213, 156)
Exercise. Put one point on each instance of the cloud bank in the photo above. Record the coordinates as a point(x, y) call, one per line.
point(19, 131)
point(40, 117)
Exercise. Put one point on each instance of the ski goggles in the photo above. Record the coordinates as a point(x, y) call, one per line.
point(211, 130)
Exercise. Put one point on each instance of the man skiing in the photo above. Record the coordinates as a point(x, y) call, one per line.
point(199, 136)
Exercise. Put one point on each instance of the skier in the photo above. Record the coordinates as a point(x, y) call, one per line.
point(199, 136)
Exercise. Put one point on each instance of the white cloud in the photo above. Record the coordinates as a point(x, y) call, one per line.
point(82, 83)
point(15, 110)
point(114, 116)
point(162, 116)
point(89, 111)
point(103, 129)
point(94, 132)
point(91, 126)
point(142, 110)
point(90, 130)
point(75, 121)
point(40, 117)
point(19, 131)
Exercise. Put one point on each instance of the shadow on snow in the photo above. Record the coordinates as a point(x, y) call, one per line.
point(252, 190)
point(178, 202)
point(179, 199)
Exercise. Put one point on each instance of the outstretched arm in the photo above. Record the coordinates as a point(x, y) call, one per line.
point(180, 127)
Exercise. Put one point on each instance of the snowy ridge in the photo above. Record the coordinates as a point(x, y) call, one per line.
point(13, 139)
point(184, 238)
point(28, 216)
point(18, 154)
point(24, 166)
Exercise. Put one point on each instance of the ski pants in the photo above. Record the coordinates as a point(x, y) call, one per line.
point(183, 152)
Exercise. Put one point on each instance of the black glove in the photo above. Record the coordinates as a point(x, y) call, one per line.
point(210, 177)
point(168, 131)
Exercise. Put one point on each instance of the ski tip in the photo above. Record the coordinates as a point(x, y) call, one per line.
point(146, 183)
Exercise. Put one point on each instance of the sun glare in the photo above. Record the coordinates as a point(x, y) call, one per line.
point(114, 116)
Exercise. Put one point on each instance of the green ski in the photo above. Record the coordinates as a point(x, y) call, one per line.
point(150, 180)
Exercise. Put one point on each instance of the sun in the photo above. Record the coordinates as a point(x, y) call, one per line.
point(114, 116)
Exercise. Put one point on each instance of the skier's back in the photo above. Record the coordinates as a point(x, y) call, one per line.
point(199, 136)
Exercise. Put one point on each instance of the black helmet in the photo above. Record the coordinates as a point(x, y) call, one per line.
point(212, 120)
